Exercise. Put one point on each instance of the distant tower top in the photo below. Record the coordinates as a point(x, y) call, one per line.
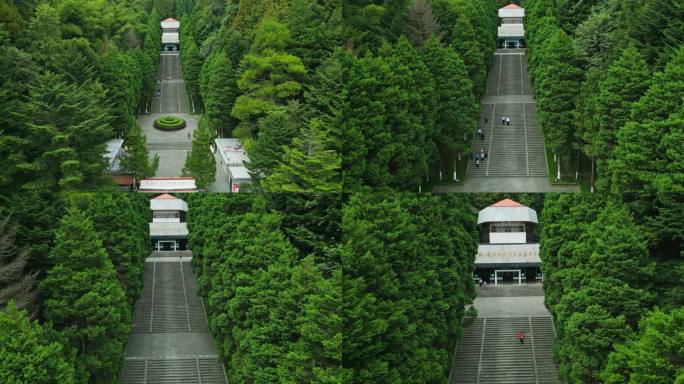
point(512, 10)
point(507, 210)
point(170, 23)
point(511, 31)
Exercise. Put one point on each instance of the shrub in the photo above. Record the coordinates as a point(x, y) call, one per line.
point(169, 123)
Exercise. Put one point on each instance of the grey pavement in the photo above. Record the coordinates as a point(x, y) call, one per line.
point(170, 340)
point(519, 306)
point(510, 290)
point(170, 344)
point(516, 159)
point(506, 184)
point(171, 162)
point(172, 147)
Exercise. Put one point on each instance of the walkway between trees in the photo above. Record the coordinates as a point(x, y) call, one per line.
point(170, 341)
point(172, 147)
point(516, 159)
point(489, 352)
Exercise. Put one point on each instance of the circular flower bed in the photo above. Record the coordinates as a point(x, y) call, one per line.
point(169, 123)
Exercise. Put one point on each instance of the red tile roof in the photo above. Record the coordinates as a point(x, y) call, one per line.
point(170, 20)
point(507, 203)
point(165, 196)
point(512, 6)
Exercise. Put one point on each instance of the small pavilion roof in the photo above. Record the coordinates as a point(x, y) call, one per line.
point(168, 202)
point(512, 10)
point(507, 203)
point(507, 210)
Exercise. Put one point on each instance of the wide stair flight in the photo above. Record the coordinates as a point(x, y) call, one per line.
point(517, 149)
point(489, 352)
point(170, 341)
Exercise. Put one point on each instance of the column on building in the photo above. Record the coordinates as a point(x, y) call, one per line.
point(169, 228)
point(509, 247)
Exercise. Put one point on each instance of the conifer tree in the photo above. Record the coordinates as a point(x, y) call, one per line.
point(651, 356)
point(307, 166)
point(270, 76)
point(626, 80)
point(29, 353)
point(456, 109)
point(276, 131)
point(137, 159)
point(217, 83)
point(648, 150)
point(556, 86)
point(200, 162)
point(84, 300)
point(324, 96)
point(16, 283)
point(69, 125)
point(124, 230)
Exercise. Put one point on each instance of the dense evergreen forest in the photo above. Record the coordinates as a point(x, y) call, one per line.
point(271, 74)
point(68, 292)
point(613, 273)
point(608, 80)
point(415, 72)
point(269, 269)
point(77, 73)
point(407, 263)
point(74, 76)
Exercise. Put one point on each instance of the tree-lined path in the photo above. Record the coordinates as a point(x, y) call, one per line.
point(516, 158)
point(170, 341)
point(489, 352)
point(172, 147)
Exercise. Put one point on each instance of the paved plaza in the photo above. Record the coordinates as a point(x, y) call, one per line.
point(173, 147)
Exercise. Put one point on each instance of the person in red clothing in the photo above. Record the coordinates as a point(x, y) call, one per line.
point(521, 337)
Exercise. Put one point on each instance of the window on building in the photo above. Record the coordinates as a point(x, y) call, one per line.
point(166, 215)
point(511, 20)
point(507, 226)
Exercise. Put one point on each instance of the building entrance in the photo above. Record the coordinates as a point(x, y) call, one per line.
point(508, 276)
point(167, 245)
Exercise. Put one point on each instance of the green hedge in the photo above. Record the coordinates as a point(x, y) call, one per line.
point(169, 123)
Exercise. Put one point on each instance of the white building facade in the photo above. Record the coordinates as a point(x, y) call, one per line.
point(170, 29)
point(509, 245)
point(511, 32)
point(232, 158)
point(169, 228)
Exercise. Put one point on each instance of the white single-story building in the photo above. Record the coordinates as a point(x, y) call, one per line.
point(167, 185)
point(232, 158)
point(170, 40)
point(511, 33)
point(509, 246)
point(168, 229)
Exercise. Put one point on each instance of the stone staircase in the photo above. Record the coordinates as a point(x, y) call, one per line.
point(504, 359)
point(544, 333)
point(500, 358)
point(170, 340)
point(174, 310)
point(180, 371)
point(514, 150)
point(468, 356)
